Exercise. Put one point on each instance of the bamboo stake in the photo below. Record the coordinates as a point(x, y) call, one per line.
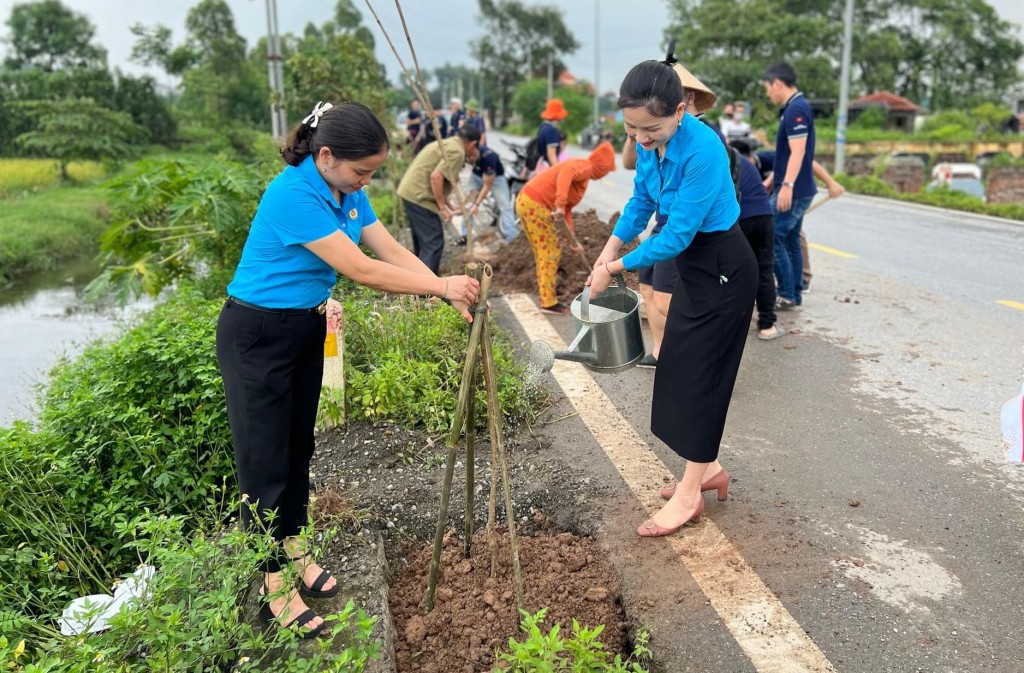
point(471, 354)
point(419, 89)
point(492, 535)
point(494, 420)
point(467, 542)
point(467, 381)
point(475, 271)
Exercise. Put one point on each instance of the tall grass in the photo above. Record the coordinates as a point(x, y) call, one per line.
point(21, 176)
point(43, 231)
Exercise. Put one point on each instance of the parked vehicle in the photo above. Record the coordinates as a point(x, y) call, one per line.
point(959, 177)
point(594, 135)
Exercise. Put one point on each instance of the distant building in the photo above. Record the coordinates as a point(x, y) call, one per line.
point(899, 112)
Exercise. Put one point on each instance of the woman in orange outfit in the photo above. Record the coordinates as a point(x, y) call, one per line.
point(550, 195)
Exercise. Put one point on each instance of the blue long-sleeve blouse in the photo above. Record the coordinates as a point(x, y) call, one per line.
point(691, 184)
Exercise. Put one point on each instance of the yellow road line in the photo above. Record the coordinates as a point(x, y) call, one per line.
point(1012, 304)
point(765, 631)
point(832, 251)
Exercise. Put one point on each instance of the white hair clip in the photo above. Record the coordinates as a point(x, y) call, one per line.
point(313, 118)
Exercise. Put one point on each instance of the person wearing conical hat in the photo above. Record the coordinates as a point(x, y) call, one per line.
point(475, 118)
point(682, 173)
point(551, 196)
point(548, 140)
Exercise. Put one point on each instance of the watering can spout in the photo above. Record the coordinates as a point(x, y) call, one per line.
point(576, 356)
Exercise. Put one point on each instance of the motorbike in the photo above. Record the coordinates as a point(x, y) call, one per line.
point(594, 135)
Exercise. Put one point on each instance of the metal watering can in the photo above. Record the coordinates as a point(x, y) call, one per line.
point(608, 337)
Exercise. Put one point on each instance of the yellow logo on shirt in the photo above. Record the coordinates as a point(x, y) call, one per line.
point(353, 214)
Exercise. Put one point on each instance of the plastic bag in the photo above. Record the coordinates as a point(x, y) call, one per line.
point(90, 614)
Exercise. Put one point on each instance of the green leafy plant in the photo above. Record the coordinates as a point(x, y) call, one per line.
point(179, 219)
point(581, 652)
point(404, 361)
point(192, 618)
point(133, 424)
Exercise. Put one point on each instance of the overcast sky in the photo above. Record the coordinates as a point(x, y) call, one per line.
point(629, 32)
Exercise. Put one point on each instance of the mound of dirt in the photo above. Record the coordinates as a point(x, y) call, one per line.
point(514, 269)
point(474, 614)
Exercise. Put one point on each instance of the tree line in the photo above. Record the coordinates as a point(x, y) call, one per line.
point(941, 54)
point(59, 96)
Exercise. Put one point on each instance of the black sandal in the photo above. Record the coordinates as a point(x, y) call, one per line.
point(298, 624)
point(317, 589)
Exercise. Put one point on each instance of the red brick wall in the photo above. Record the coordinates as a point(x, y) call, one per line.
point(1005, 185)
point(906, 175)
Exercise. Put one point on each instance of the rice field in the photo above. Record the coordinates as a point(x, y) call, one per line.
point(20, 176)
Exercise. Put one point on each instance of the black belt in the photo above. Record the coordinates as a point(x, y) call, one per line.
point(320, 308)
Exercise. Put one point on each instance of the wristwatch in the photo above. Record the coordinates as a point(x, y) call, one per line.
point(787, 184)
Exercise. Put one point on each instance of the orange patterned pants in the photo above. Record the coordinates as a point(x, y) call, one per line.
point(547, 247)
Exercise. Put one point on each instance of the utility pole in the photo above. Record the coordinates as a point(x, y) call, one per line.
point(844, 89)
point(275, 73)
point(551, 75)
point(597, 60)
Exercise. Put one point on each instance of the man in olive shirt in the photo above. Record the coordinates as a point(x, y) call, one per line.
point(425, 187)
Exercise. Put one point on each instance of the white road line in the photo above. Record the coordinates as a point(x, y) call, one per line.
point(763, 628)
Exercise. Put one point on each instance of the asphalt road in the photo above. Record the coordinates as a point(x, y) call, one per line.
point(885, 394)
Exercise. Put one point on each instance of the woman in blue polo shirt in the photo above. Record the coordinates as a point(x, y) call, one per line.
point(270, 334)
point(682, 172)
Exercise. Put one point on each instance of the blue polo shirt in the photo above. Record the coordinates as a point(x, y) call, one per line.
point(457, 118)
point(547, 135)
point(276, 270)
point(691, 184)
point(489, 163)
point(753, 195)
point(796, 120)
point(477, 121)
point(765, 162)
point(414, 129)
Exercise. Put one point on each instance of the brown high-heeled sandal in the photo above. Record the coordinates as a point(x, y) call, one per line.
point(719, 482)
point(650, 529)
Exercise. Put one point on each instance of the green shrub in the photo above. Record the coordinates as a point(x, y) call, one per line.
point(949, 125)
point(385, 203)
point(940, 198)
point(192, 619)
point(136, 424)
point(582, 651)
point(404, 361)
point(178, 219)
point(873, 118)
point(531, 95)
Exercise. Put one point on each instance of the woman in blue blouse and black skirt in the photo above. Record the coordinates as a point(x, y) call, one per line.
point(682, 172)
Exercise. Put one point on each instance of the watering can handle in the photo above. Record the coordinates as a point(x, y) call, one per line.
point(585, 300)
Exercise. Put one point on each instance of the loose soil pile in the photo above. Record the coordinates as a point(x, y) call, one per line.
point(514, 269)
point(474, 613)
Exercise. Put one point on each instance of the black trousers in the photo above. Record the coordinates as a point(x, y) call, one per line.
point(427, 234)
point(273, 366)
point(705, 333)
point(760, 233)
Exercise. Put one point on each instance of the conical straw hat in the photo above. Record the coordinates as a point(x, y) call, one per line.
point(704, 98)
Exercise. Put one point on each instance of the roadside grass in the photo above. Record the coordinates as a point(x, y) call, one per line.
point(940, 198)
point(44, 230)
point(26, 176)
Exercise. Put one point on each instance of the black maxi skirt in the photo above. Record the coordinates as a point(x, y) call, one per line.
point(705, 333)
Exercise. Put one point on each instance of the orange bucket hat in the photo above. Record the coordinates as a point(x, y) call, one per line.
point(554, 110)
